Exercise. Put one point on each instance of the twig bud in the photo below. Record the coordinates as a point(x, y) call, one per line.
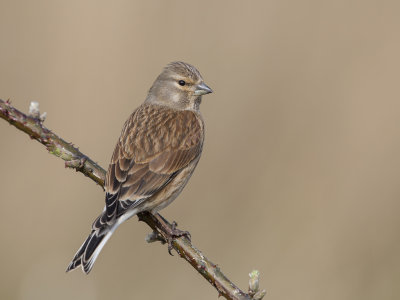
point(254, 282)
point(154, 237)
point(34, 110)
point(43, 117)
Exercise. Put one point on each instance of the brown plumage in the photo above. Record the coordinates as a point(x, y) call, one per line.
point(157, 152)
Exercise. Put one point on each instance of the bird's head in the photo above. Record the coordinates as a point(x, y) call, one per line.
point(179, 85)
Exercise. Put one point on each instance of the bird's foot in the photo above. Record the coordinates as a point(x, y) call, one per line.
point(174, 233)
point(169, 231)
point(178, 233)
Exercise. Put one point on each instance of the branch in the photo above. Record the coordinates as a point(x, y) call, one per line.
point(32, 125)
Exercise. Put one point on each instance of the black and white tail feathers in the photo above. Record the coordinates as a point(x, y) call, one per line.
point(90, 249)
point(101, 233)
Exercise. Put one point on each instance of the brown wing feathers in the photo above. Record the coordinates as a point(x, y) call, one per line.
point(155, 144)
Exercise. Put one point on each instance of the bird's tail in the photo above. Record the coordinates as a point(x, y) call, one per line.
point(101, 233)
point(90, 249)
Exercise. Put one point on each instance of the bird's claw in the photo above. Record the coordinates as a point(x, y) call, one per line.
point(176, 233)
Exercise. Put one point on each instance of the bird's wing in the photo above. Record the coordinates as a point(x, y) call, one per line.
point(155, 144)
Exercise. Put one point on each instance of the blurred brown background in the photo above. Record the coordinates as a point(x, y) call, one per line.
point(300, 175)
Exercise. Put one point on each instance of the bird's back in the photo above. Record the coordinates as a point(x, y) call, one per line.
point(156, 144)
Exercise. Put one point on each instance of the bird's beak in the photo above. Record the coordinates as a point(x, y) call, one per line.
point(202, 89)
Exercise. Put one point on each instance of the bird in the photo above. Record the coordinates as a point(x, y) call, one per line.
point(158, 149)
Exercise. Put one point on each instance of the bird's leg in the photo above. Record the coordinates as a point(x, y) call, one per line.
point(171, 231)
point(178, 233)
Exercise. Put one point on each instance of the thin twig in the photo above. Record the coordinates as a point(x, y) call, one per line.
point(32, 125)
point(54, 144)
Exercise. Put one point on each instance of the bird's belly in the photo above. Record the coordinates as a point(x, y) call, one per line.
point(168, 194)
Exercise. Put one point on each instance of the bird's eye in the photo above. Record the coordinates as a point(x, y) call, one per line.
point(181, 82)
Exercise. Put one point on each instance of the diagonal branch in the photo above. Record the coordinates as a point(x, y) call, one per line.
point(33, 126)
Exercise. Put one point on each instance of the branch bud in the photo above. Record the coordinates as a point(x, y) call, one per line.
point(34, 110)
point(154, 237)
point(254, 282)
